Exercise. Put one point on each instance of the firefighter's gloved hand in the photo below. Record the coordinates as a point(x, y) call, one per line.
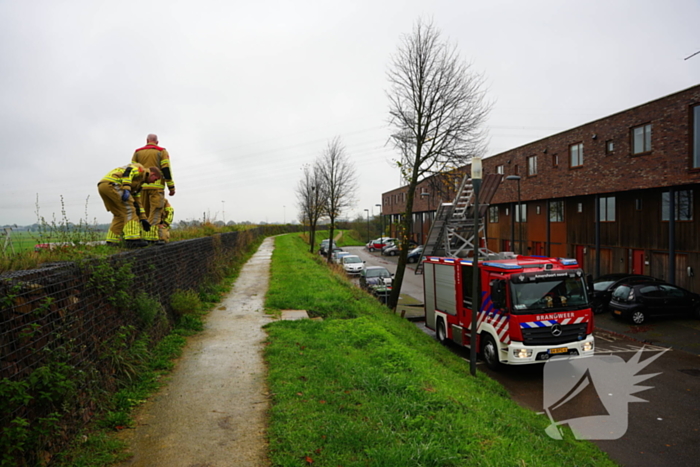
point(125, 195)
point(146, 226)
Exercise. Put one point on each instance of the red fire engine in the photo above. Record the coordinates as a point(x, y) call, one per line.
point(531, 309)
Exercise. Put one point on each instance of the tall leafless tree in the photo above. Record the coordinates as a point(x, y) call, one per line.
point(311, 200)
point(437, 109)
point(339, 181)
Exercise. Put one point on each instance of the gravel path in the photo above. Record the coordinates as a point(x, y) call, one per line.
point(212, 413)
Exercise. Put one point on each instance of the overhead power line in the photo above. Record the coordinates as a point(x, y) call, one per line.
point(691, 56)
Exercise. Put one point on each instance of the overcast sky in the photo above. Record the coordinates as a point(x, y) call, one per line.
point(243, 93)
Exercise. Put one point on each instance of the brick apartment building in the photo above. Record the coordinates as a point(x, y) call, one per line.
point(602, 193)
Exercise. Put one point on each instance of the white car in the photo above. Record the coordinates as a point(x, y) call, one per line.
point(352, 264)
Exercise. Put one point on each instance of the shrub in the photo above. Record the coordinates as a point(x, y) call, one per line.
point(185, 302)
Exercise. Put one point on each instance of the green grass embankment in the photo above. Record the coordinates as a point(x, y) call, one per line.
point(363, 387)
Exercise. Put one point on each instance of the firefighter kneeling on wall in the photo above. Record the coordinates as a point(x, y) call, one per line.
point(120, 190)
point(166, 222)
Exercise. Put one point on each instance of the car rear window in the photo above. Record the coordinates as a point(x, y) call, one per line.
point(602, 285)
point(622, 292)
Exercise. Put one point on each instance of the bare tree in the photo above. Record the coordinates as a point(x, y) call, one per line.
point(311, 200)
point(339, 182)
point(437, 109)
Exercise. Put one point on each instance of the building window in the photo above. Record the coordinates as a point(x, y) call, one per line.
point(607, 209)
point(555, 160)
point(580, 207)
point(576, 155)
point(493, 214)
point(684, 205)
point(532, 165)
point(507, 212)
point(537, 209)
point(696, 137)
point(500, 169)
point(638, 204)
point(556, 211)
point(521, 213)
point(641, 139)
point(609, 147)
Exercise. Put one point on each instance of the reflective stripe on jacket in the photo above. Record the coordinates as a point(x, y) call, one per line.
point(130, 177)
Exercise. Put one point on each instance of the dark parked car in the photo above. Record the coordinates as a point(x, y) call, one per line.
point(375, 276)
point(377, 281)
point(393, 248)
point(415, 254)
point(640, 301)
point(323, 249)
point(604, 286)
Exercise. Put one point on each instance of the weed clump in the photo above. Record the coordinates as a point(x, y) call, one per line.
point(185, 302)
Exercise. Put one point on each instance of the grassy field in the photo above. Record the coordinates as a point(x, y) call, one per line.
point(23, 254)
point(21, 241)
point(362, 387)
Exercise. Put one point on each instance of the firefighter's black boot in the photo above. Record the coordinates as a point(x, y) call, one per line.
point(136, 243)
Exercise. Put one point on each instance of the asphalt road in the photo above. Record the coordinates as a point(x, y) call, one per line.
point(412, 283)
point(662, 430)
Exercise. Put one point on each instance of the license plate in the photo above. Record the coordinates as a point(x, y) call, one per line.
point(617, 312)
point(559, 350)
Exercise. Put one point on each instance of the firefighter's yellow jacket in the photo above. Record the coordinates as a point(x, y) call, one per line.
point(155, 156)
point(130, 177)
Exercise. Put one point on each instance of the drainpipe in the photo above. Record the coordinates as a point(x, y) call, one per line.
point(549, 237)
point(672, 235)
point(512, 226)
point(597, 235)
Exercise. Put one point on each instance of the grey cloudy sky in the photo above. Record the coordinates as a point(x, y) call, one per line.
point(243, 94)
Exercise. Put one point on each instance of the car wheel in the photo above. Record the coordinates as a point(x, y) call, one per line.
point(440, 332)
point(638, 317)
point(411, 260)
point(392, 253)
point(371, 250)
point(489, 352)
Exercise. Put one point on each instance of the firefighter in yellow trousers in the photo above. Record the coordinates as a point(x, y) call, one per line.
point(166, 222)
point(153, 195)
point(119, 190)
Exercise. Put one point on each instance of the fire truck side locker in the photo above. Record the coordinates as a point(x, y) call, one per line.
point(440, 298)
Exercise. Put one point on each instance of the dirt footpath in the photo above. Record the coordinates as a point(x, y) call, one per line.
point(212, 412)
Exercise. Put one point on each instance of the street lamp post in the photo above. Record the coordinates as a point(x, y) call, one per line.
point(520, 214)
point(381, 215)
point(476, 295)
point(223, 210)
point(367, 211)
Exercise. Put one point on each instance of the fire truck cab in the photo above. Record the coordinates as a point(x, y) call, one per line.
point(531, 308)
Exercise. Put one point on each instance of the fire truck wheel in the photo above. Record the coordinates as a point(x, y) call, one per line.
point(440, 332)
point(489, 351)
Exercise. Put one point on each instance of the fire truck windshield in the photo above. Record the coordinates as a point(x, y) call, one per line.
point(556, 293)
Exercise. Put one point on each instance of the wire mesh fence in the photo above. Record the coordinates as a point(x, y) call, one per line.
point(57, 323)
